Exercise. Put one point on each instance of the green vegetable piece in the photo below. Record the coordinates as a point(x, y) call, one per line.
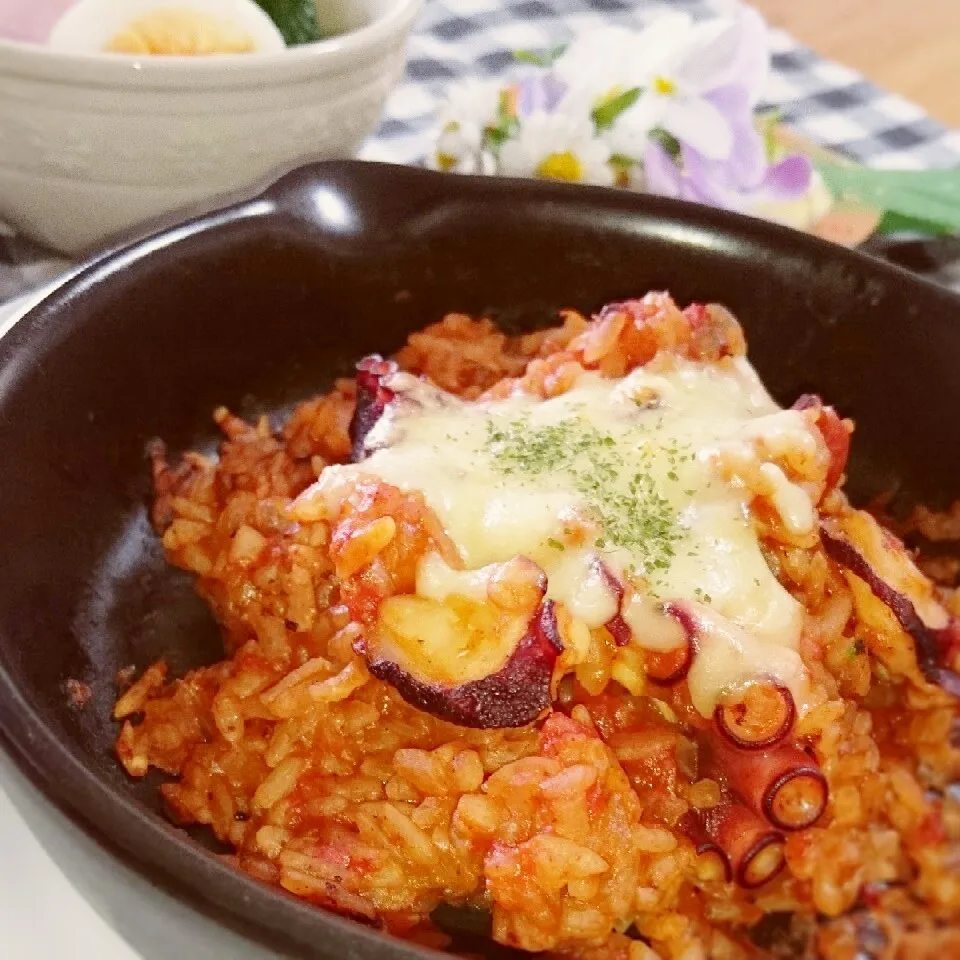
point(295, 19)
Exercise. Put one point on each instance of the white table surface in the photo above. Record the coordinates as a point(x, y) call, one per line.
point(41, 915)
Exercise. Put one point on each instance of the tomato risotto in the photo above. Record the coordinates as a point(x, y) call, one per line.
point(574, 634)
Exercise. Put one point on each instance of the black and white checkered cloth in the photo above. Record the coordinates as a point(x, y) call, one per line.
point(455, 39)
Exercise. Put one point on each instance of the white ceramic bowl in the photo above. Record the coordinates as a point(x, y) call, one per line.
point(91, 146)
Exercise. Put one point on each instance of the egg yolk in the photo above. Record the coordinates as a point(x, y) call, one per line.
point(180, 33)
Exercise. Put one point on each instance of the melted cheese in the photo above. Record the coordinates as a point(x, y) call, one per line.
point(792, 503)
point(668, 426)
point(647, 621)
point(437, 580)
point(576, 579)
point(728, 658)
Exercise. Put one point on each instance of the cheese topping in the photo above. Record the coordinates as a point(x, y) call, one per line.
point(616, 481)
point(728, 658)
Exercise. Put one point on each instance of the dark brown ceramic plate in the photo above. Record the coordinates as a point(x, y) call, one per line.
point(263, 304)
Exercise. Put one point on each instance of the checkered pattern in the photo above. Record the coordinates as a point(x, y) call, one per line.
point(824, 102)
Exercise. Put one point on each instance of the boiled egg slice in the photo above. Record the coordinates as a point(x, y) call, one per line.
point(166, 28)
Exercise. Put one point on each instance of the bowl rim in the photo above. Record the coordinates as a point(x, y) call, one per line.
point(337, 54)
point(67, 782)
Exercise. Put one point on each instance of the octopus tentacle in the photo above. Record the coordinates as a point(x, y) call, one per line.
point(784, 784)
point(752, 850)
point(760, 716)
point(372, 400)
